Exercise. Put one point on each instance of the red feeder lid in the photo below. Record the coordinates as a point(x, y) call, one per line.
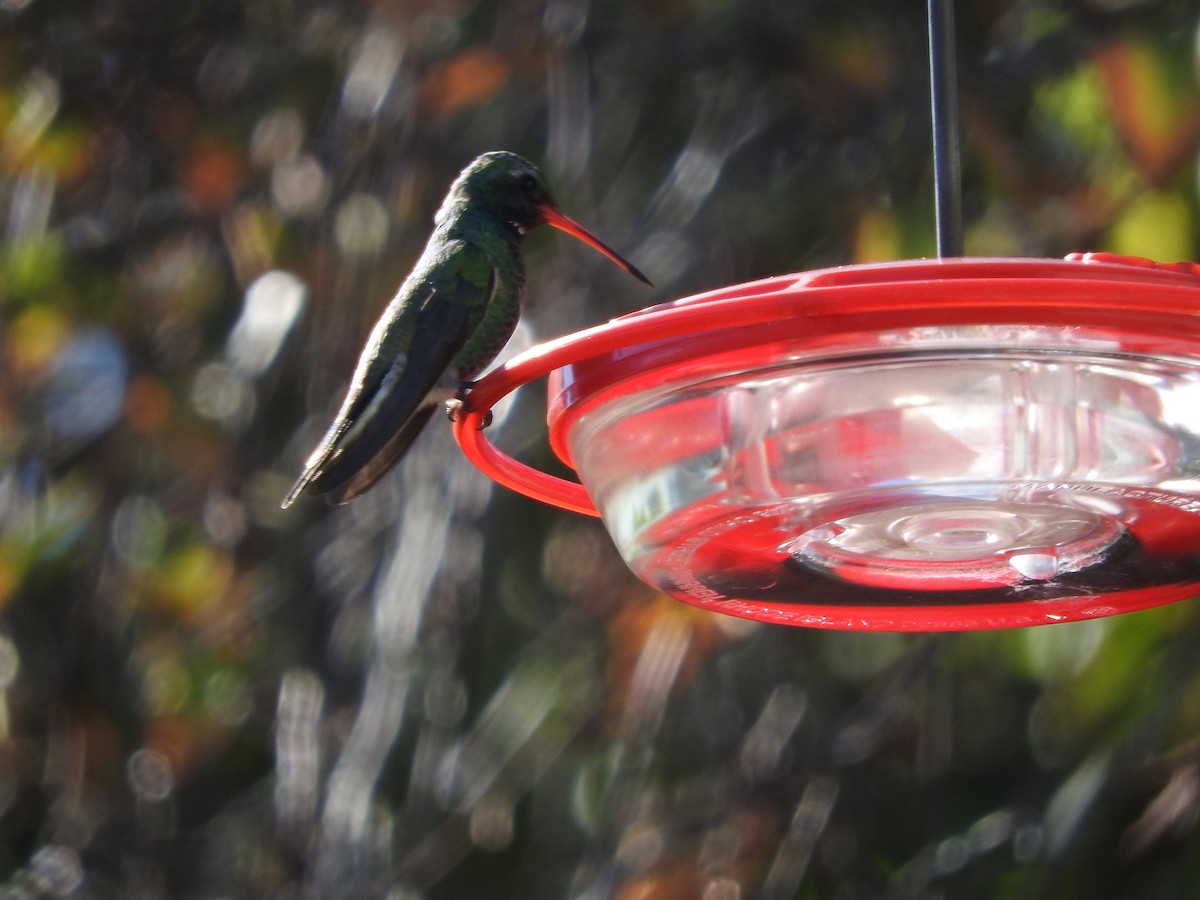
point(930, 445)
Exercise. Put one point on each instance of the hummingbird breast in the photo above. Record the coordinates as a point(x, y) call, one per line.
point(500, 313)
point(495, 328)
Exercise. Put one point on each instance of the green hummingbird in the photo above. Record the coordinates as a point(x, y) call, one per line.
point(451, 316)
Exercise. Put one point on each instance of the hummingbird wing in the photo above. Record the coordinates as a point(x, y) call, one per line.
point(406, 399)
point(382, 415)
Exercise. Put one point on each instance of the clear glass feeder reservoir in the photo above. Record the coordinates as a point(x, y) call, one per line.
point(910, 446)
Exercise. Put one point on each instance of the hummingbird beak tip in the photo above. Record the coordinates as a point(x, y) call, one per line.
point(557, 219)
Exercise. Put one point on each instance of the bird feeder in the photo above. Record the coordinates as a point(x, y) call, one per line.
point(926, 445)
point(945, 444)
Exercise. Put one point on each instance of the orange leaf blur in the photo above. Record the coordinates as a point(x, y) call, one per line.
point(1159, 126)
point(464, 80)
point(631, 636)
point(213, 175)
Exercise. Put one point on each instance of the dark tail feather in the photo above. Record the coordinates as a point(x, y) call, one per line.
point(301, 484)
point(346, 481)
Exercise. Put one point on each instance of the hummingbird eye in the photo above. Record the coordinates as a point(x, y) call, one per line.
point(527, 182)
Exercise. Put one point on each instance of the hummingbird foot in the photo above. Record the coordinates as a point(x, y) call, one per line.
point(460, 405)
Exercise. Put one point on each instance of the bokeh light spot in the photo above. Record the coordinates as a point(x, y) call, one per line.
point(361, 226)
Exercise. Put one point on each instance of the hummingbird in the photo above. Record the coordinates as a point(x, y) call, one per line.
point(451, 316)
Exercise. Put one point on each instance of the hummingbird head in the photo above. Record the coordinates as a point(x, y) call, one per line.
point(506, 186)
point(513, 190)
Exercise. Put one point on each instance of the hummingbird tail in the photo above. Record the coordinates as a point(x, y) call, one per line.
point(365, 475)
point(311, 474)
point(295, 492)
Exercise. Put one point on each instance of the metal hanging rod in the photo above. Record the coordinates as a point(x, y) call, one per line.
point(943, 102)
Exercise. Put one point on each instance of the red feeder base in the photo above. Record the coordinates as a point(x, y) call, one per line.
point(936, 445)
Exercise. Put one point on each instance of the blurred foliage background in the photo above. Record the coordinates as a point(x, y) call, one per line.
point(443, 690)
